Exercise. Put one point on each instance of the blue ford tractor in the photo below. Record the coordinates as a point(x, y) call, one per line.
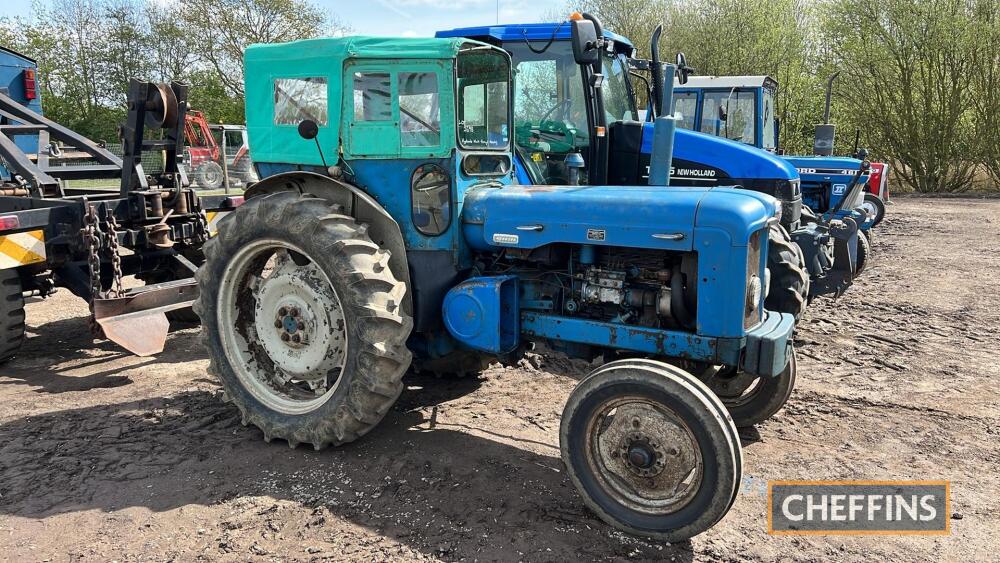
point(742, 108)
point(387, 231)
point(552, 126)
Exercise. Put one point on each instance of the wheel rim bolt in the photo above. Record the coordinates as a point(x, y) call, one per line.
point(293, 312)
point(277, 323)
point(284, 337)
point(301, 325)
point(282, 312)
point(296, 339)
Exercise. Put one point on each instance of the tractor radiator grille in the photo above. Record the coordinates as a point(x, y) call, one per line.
point(618, 258)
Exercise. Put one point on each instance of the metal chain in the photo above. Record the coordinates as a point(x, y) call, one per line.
point(111, 235)
point(91, 238)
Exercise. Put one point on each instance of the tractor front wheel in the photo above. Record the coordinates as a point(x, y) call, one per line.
point(874, 207)
point(11, 314)
point(303, 320)
point(651, 450)
point(752, 399)
point(789, 288)
point(864, 253)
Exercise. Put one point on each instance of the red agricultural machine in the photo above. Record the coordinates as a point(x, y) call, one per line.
point(218, 155)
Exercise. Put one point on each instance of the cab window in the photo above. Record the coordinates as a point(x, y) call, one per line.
point(298, 99)
point(398, 109)
point(483, 105)
point(729, 114)
point(419, 109)
point(686, 104)
point(770, 130)
point(372, 96)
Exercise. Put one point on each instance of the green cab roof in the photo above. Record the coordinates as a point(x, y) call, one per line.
point(357, 47)
point(326, 59)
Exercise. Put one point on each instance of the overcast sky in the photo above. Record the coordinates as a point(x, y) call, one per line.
point(402, 17)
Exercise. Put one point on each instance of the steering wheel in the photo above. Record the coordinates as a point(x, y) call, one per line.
point(563, 106)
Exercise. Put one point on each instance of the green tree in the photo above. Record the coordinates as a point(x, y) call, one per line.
point(222, 29)
point(209, 95)
point(732, 37)
point(908, 63)
point(985, 81)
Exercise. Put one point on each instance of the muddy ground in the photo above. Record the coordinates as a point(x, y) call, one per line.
point(107, 456)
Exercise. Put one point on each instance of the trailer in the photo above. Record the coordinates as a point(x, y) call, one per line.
point(56, 231)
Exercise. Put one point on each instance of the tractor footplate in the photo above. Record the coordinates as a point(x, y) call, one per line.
point(137, 320)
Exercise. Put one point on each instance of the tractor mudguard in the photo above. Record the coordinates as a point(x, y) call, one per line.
point(358, 204)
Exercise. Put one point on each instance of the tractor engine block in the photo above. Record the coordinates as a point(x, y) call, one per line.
point(642, 287)
point(609, 288)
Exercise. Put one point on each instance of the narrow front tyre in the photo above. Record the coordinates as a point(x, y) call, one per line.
point(874, 208)
point(864, 254)
point(651, 450)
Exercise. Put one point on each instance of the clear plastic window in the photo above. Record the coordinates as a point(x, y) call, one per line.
point(298, 99)
point(372, 96)
point(419, 109)
point(483, 121)
point(431, 199)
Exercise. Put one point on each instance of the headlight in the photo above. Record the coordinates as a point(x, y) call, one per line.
point(755, 284)
point(755, 290)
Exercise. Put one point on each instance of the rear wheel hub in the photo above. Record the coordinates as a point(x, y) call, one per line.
point(291, 323)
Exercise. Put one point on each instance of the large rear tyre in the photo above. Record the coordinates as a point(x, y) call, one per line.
point(864, 253)
point(789, 288)
point(11, 314)
point(874, 207)
point(651, 450)
point(303, 320)
point(753, 399)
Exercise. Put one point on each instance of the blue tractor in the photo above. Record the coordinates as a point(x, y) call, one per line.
point(387, 231)
point(742, 108)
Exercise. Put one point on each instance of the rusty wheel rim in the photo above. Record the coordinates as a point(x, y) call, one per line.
point(644, 455)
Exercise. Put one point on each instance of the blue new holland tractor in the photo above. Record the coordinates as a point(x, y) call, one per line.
point(387, 231)
point(809, 255)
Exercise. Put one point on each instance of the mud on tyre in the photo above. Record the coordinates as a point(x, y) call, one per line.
point(303, 320)
point(789, 288)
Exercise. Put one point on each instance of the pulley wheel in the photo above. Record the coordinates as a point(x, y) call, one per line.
point(161, 107)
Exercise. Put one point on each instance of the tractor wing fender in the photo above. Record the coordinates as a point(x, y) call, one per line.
point(383, 229)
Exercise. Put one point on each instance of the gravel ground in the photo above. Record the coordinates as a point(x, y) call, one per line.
point(107, 456)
